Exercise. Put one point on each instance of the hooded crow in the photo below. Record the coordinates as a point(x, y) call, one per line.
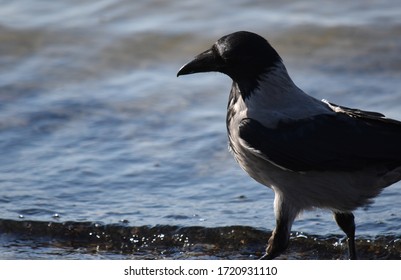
point(310, 152)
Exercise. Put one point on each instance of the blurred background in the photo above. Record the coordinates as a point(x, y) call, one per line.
point(95, 128)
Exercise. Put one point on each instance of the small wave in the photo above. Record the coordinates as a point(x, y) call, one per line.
point(119, 241)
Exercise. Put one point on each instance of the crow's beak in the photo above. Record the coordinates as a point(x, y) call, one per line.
point(207, 61)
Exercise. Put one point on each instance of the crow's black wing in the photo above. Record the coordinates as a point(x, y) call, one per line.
point(349, 140)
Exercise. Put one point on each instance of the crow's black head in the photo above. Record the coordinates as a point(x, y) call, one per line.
point(241, 55)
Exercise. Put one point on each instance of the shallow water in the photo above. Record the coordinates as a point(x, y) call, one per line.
point(96, 128)
point(74, 240)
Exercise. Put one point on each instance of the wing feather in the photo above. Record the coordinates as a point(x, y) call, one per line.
point(349, 140)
